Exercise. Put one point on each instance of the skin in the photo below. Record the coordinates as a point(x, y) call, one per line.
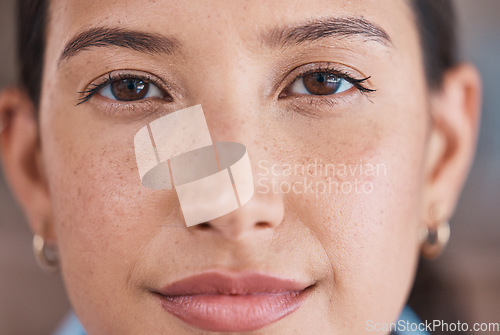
point(74, 169)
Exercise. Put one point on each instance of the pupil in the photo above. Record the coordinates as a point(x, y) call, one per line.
point(320, 78)
point(136, 86)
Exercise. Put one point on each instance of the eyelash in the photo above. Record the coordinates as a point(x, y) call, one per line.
point(90, 92)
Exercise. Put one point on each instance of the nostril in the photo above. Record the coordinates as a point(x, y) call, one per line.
point(262, 224)
point(204, 225)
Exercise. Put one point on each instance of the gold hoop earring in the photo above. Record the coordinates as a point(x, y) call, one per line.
point(435, 240)
point(46, 259)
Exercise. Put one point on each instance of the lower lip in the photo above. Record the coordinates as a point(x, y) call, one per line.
point(233, 313)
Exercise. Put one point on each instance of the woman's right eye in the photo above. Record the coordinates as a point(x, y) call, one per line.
point(130, 89)
point(127, 88)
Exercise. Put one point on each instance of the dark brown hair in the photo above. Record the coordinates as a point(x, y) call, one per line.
point(31, 25)
point(436, 22)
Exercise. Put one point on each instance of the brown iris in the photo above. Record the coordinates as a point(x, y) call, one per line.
point(321, 83)
point(129, 89)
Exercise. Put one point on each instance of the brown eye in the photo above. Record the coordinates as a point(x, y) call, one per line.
point(320, 83)
point(131, 89)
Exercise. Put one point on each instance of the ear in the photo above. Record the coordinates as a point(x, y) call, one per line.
point(455, 114)
point(22, 159)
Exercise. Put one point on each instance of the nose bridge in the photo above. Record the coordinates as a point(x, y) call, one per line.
point(231, 98)
point(231, 118)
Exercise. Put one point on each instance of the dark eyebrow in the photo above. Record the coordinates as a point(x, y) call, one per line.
point(323, 28)
point(105, 37)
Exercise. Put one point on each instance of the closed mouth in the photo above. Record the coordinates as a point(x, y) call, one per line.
point(218, 301)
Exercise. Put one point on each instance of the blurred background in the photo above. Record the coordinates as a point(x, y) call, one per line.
point(32, 302)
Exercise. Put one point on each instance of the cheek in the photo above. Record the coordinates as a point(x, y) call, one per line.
point(364, 208)
point(104, 216)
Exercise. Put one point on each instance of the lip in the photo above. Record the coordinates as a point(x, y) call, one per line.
point(217, 301)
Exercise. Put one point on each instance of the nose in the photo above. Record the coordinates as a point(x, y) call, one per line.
point(262, 213)
point(233, 117)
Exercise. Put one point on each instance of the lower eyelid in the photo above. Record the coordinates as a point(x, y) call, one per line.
point(312, 107)
point(130, 111)
point(322, 105)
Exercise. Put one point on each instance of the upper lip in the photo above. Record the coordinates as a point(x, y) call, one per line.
point(212, 283)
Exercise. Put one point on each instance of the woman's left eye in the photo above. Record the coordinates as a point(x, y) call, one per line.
point(319, 83)
point(130, 89)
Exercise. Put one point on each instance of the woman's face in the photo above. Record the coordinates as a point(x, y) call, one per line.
point(283, 78)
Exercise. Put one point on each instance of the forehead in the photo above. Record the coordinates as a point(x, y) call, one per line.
point(200, 22)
